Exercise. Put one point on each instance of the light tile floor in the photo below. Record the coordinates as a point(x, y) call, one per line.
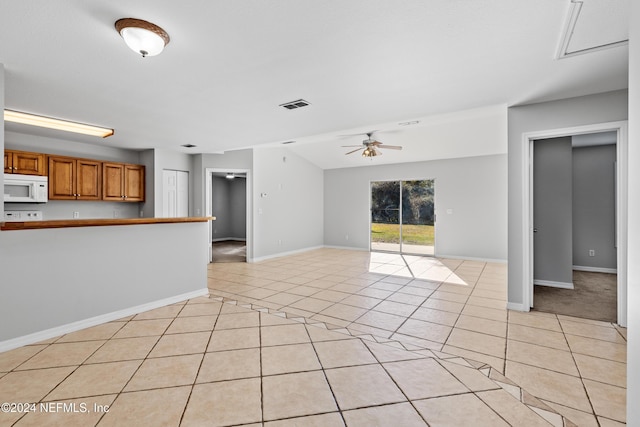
point(453, 307)
point(238, 359)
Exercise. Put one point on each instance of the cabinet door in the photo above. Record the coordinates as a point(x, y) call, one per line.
point(112, 181)
point(28, 163)
point(88, 179)
point(134, 183)
point(8, 161)
point(62, 178)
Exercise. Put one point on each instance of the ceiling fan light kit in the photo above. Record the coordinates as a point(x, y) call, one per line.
point(370, 146)
point(142, 36)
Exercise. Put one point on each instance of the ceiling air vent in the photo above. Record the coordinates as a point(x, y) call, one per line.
point(188, 145)
point(299, 103)
point(288, 142)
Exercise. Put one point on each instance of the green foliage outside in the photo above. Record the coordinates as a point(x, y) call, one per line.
point(411, 234)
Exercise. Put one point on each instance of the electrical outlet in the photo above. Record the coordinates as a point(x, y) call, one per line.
point(346, 237)
point(76, 215)
point(592, 252)
point(279, 242)
point(115, 214)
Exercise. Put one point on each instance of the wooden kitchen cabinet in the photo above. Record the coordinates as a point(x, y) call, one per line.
point(74, 179)
point(24, 163)
point(122, 182)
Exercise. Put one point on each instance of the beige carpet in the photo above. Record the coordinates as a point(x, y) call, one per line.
point(229, 251)
point(594, 297)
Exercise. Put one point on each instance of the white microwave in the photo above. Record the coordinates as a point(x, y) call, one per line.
point(25, 188)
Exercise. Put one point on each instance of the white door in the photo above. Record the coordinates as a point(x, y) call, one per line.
point(175, 193)
point(182, 194)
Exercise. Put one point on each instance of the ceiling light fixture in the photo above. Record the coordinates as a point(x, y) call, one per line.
point(142, 37)
point(50, 123)
point(370, 152)
point(230, 175)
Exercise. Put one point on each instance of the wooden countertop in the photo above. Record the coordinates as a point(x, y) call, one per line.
point(67, 223)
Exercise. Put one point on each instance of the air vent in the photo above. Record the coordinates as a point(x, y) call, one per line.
point(288, 142)
point(295, 104)
point(188, 146)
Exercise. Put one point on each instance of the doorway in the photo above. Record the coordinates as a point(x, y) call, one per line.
point(574, 254)
point(528, 226)
point(403, 217)
point(230, 234)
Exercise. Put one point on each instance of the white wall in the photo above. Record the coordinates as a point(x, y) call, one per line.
point(289, 216)
point(633, 273)
point(586, 110)
point(474, 189)
point(61, 276)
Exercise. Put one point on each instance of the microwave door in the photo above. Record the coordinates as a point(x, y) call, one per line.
point(18, 192)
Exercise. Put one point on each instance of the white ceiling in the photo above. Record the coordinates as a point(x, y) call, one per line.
point(362, 64)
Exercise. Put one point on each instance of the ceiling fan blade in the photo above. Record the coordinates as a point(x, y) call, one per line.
point(349, 146)
point(350, 152)
point(392, 147)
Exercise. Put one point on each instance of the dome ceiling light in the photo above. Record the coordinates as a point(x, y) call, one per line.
point(141, 36)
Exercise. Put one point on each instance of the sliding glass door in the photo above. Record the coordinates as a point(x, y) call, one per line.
point(402, 216)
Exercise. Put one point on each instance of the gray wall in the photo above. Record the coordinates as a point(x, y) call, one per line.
point(604, 107)
point(220, 208)
point(229, 199)
point(92, 271)
point(289, 216)
point(552, 210)
point(238, 208)
point(473, 189)
point(594, 212)
point(241, 159)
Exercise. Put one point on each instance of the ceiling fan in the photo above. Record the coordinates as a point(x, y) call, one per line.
point(370, 147)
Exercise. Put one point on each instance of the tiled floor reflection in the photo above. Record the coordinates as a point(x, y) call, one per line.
point(317, 340)
point(575, 366)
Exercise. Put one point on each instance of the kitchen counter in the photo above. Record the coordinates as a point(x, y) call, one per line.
point(68, 223)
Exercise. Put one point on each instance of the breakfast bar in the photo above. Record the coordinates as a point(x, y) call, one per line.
point(64, 275)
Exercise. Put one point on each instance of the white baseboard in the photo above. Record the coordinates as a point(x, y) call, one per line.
point(224, 239)
point(595, 269)
point(349, 248)
point(468, 258)
point(552, 284)
point(282, 254)
point(516, 306)
point(97, 320)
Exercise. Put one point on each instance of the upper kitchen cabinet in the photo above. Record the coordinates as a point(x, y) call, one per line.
point(24, 163)
point(123, 182)
point(74, 179)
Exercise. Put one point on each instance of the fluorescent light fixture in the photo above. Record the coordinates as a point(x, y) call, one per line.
point(48, 122)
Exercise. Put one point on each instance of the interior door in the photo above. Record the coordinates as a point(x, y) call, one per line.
point(552, 213)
